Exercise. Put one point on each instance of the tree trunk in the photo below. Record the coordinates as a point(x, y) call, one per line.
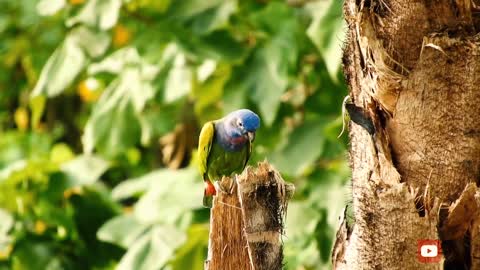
point(413, 68)
point(246, 225)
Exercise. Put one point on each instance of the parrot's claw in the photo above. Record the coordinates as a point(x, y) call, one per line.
point(219, 186)
point(226, 185)
point(232, 186)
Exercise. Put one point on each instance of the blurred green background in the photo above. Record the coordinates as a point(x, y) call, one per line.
point(101, 102)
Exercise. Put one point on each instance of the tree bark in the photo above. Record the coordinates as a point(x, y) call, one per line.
point(413, 69)
point(246, 224)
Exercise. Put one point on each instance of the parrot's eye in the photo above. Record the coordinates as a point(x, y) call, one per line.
point(239, 123)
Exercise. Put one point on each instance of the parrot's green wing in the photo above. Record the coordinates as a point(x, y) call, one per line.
point(204, 145)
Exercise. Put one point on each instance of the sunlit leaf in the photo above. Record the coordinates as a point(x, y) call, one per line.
point(132, 187)
point(7, 222)
point(69, 60)
point(327, 31)
point(50, 7)
point(179, 79)
point(61, 69)
point(114, 125)
point(84, 169)
point(93, 43)
point(165, 189)
point(152, 250)
point(122, 230)
point(115, 62)
point(101, 13)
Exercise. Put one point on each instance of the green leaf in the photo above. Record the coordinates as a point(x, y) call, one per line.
point(159, 120)
point(214, 18)
point(235, 95)
point(61, 153)
point(268, 80)
point(122, 230)
point(302, 148)
point(186, 9)
point(323, 237)
point(301, 220)
point(111, 131)
point(300, 248)
point(37, 106)
point(331, 190)
point(153, 249)
point(32, 255)
point(84, 170)
point(209, 91)
point(327, 31)
point(265, 76)
point(192, 254)
point(16, 146)
point(220, 45)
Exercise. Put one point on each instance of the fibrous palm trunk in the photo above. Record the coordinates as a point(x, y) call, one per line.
point(413, 68)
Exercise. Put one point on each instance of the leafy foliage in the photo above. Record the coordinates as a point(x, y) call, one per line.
point(100, 108)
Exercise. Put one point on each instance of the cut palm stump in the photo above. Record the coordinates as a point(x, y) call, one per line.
point(246, 225)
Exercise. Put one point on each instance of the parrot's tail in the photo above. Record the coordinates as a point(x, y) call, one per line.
point(208, 194)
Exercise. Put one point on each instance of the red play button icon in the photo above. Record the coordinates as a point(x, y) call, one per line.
point(429, 251)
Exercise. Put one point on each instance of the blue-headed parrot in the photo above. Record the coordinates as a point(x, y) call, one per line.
point(224, 147)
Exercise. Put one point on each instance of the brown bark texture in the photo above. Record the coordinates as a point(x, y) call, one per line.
point(246, 222)
point(413, 69)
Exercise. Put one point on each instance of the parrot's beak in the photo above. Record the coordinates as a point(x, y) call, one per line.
point(251, 136)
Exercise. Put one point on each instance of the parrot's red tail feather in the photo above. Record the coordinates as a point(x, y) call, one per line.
point(208, 194)
point(210, 189)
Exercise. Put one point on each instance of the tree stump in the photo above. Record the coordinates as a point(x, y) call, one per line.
point(246, 225)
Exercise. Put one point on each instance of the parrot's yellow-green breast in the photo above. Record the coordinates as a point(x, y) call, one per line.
point(215, 161)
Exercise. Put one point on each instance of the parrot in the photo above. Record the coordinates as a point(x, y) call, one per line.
point(224, 148)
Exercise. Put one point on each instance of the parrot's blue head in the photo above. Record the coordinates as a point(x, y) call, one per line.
point(243, 122)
